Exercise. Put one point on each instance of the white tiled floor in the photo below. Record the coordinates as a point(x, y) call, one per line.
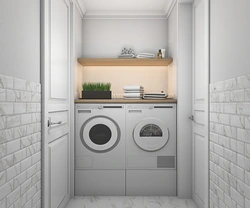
point(130, 202)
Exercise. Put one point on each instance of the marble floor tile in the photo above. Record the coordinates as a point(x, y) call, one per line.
point(130, 202)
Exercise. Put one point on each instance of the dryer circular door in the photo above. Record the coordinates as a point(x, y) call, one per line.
point(100, 134)
point(151, 134)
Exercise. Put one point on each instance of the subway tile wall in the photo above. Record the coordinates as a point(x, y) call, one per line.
point(230, 143)
point(20, 143)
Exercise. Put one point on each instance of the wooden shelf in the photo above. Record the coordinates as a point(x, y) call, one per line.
point(125, 101)
point(124, 62)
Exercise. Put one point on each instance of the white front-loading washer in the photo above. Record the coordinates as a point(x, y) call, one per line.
point(100, 150)
point(151, 149)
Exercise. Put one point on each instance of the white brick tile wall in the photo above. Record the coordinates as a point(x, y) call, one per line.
point(240, 147)
point(247, 202)
point(20, 143)
point(13, 171)
point(230, 84)
point(230, 143)
point(238, 96)
point(243, 135)
point(2, 178)
point(2, 94)
point(247, 95)
point(237, 121)
point(233, 145)
point(224, 141)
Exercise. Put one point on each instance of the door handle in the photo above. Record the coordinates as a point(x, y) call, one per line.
point(191, 118)
point(50, 123)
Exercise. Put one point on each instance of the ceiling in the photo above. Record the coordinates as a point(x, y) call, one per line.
point(116, 9)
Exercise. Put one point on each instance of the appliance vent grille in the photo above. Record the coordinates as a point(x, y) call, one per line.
point(165, 161)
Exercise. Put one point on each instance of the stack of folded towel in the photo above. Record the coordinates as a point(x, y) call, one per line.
point(155, 95)
point(133, 92)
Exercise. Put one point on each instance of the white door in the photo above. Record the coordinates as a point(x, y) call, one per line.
point(56, 103)
point(200, 102)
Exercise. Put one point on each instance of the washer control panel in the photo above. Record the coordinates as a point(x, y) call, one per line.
point(98, 106)
point(150, 106)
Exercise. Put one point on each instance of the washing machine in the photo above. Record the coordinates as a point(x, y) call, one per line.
point(151, 149)
point(100, 150)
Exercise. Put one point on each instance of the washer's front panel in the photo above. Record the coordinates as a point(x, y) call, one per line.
point(100, 183)
point(100, 136)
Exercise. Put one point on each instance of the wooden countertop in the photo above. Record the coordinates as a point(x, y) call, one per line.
point(125, 101)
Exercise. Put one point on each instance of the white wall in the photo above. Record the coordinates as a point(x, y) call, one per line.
point(172, 50)
point(230, 43)
point(184, 96)
point(20, 39)
point(78, 50)
point(106, 38)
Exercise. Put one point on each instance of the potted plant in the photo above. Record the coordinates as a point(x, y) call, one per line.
point(96, 90)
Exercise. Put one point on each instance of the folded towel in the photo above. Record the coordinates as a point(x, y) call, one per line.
point(156, 94)
point(145, 55)
point(134, 91)
point(153, 98)
point(132, 94)
point(133, 87)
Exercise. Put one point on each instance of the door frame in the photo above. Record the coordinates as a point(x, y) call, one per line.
point(76, 5)
point(206, 114)
point(45, 64)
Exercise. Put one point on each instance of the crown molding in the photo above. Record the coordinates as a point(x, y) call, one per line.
point(125, 15)
point(81, 7)
point(169, 7)
point(185, 1)
point(160, 14)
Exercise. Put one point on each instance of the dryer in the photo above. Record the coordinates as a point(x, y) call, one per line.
point(100, 150)
point(151, 149)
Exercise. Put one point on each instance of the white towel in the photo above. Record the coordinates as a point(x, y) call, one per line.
point(154, 98)
point(155, 95)
point(132, 95)
point(133, 87)
point(134, 91)
point(145, 55)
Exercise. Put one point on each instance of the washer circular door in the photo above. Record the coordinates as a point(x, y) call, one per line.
point(151, 134)
point(100, 134)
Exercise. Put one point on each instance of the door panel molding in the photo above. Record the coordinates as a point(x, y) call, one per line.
point(61, 163)
point(59, 52)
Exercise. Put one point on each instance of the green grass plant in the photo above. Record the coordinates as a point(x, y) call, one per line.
point(96, 86)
